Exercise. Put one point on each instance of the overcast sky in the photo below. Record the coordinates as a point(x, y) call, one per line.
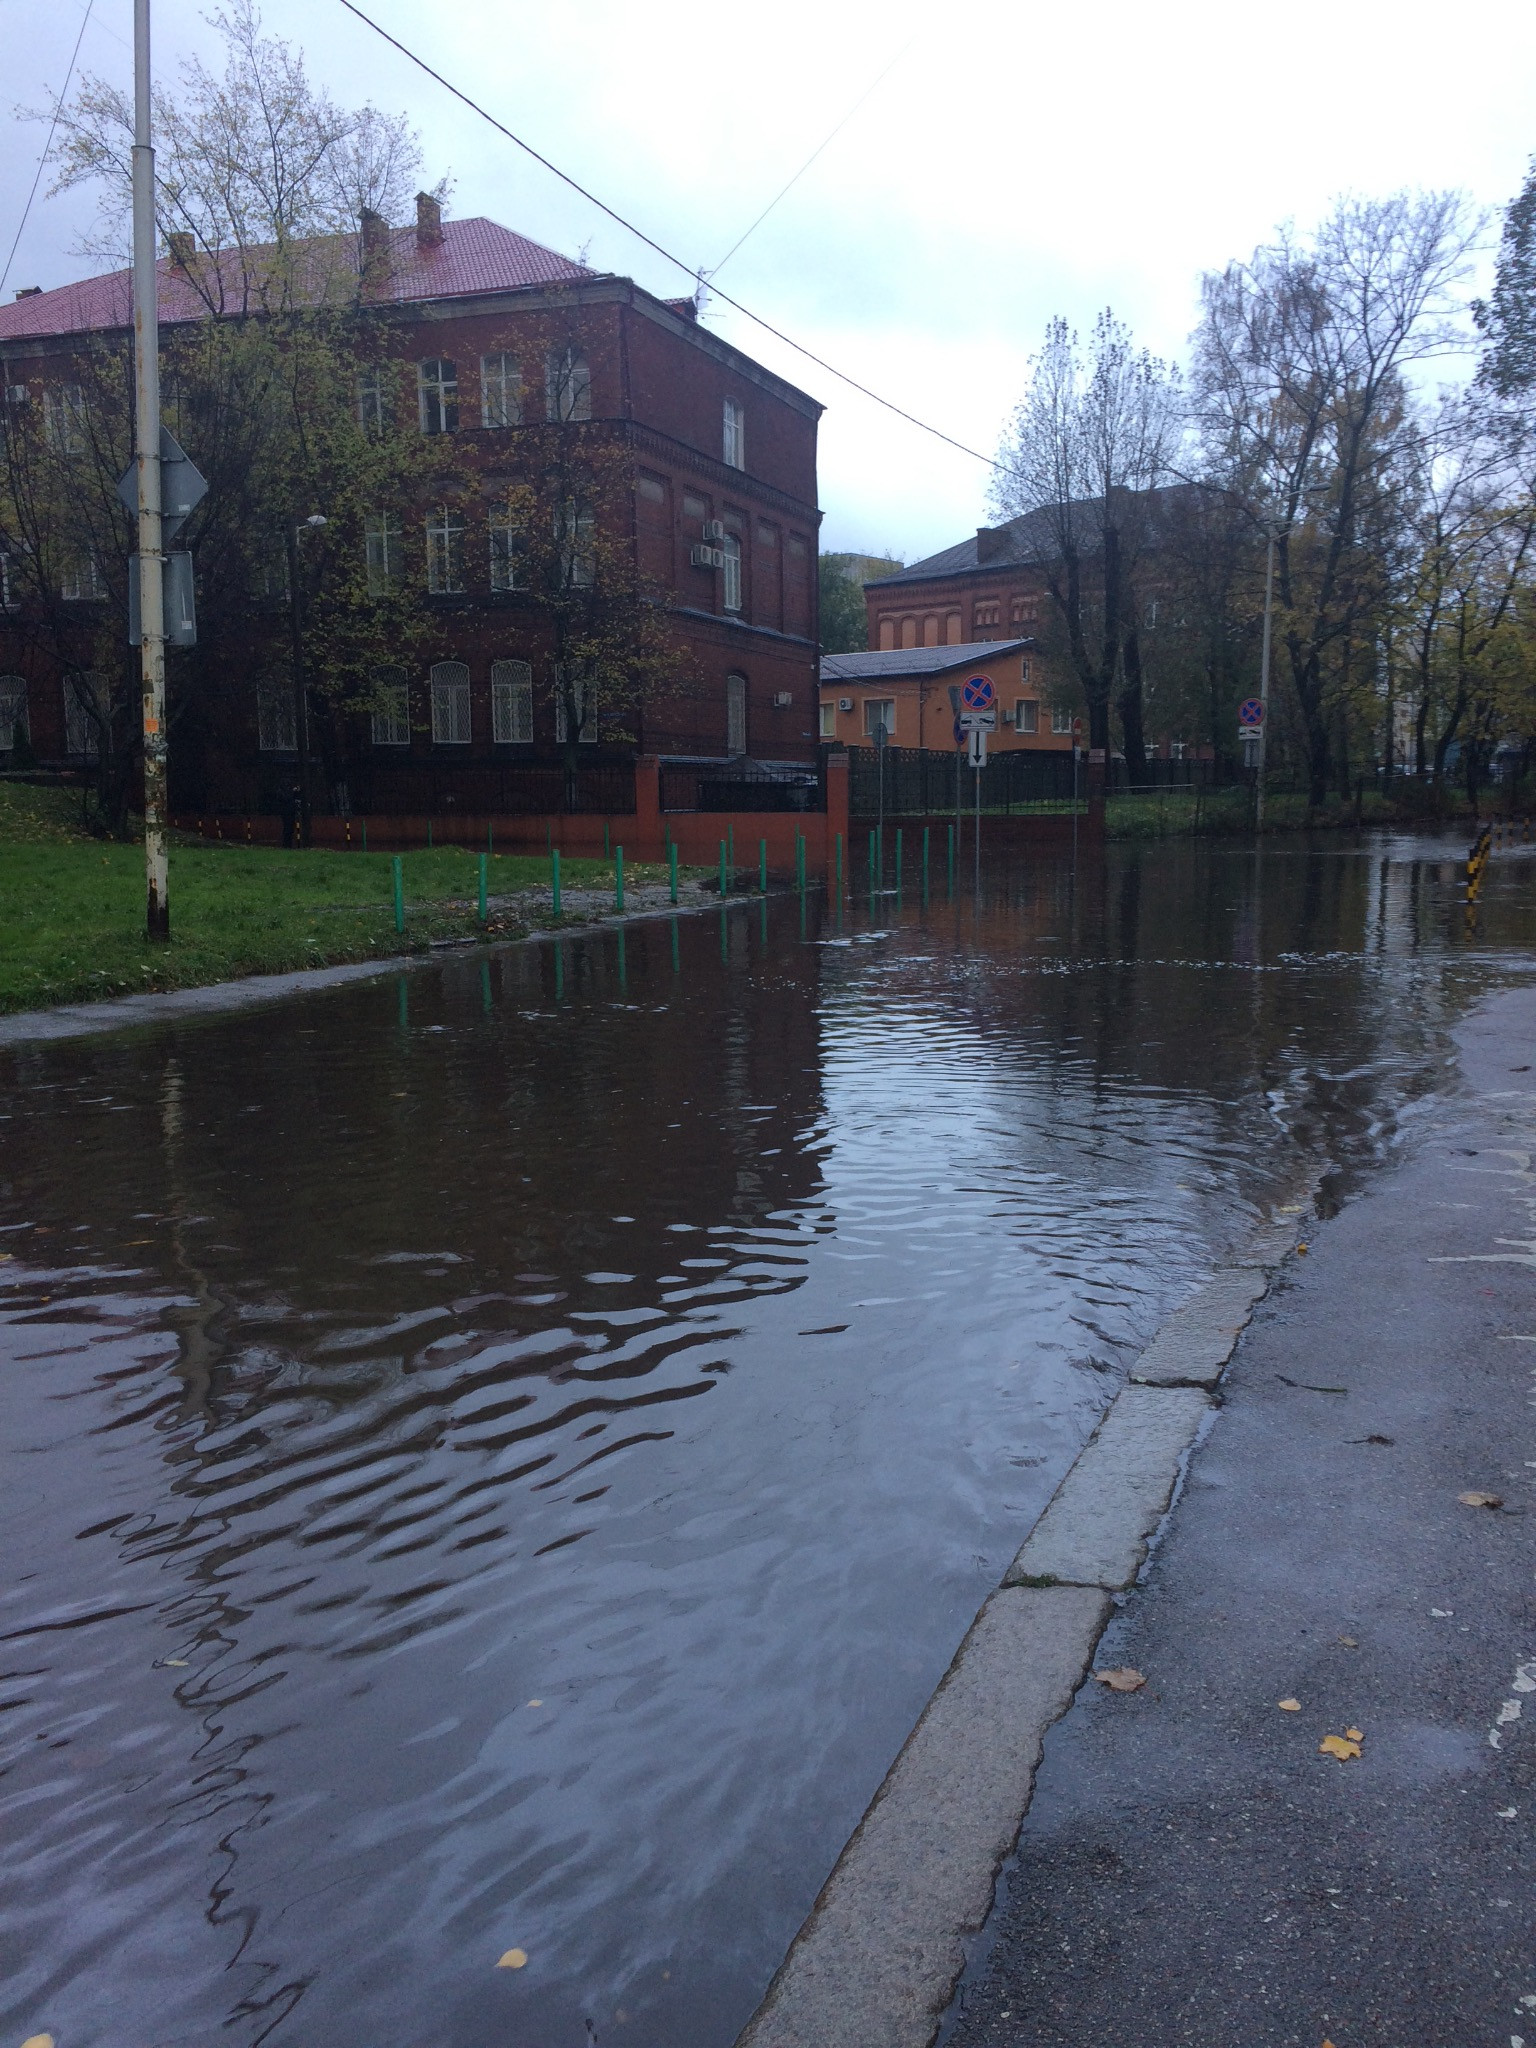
point(1016, 162)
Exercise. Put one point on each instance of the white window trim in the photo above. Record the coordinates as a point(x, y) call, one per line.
point(733, 434)
point(1026, 715)
point(829, 721)
point(512, 703)
point(445, 552)
point(730, 573)
point(1061, 719)
point(505, 381)
point(438, 391)
point(391, 725)
point(503, 547)
point(15, 710)
point(452, 716)
point(888, 706)
point(384, 541)
point(567, 385)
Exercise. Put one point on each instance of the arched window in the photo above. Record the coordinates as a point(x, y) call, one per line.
point(736, 712)
point(15, 718)
point(438, 390)
point(450, 704)
point(931, 630)
point(909, 632)
point(511, 703)
point(391, 715)
point(887, 634)
point(85, 713)
point(567, 385)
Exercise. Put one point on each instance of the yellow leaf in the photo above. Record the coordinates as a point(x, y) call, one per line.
point(1349, 1642)
point(514, 1959)
point(1355, 1734)
point(1339, 1746)
point(1289, 1706)
point(1301, 1248)
point(1481, 1500)
point(1124, 1678)
point(535, 1703)
point(38, 2041)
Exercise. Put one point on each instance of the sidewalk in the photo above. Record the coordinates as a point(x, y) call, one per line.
point(1191, 1870)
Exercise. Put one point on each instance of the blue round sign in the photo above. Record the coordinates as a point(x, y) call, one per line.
point(1250, 711)
point(979, 694)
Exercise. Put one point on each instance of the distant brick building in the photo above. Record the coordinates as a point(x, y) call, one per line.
point(989, 587)
point(724, 516)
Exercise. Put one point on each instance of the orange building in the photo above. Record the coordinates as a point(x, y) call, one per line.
point(907, 690)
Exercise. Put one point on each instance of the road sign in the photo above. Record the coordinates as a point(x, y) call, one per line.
point(978, 721)
point(183, 486)
point(976, 750)
point(979, 694)
point(880, 732)
point(1250, 711)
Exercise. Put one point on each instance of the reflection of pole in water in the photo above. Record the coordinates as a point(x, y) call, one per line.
point(623, 964)
point(403, 1006)
point(677, 965)
point(485, 986)
point(559, 972)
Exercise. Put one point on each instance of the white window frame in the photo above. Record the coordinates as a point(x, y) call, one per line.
point(370, 400)
point(1026, 715)
point(575, 525)
point(445, 552)
point(451, 716)
point(384, 540)
point(733, 434)
point(82, 581)
point(501, 391)
point(736, 733)
point(14, 710)
point(276, 732)
point(1061, 719)
point(505, 545)
point(390, 721)
point(64, 417)
point(587, 737)
point(567, 385)
point(829, 721)
point(886, 706)
point(437, 394)
point(730, 573)
point(512, 703)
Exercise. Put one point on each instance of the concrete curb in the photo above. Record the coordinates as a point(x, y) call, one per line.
point(877, 1960)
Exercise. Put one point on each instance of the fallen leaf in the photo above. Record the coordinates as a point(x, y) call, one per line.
point(1481, 1500)
point(1124, 1678)
point(177, 1663)
point(38, 2041)
point(535, 1703)
point(1354, 1735)
point(514, 1959)
point(1289, 1706)
point(1301, 1248)
point(1349, 1642)
point(1340, 1746)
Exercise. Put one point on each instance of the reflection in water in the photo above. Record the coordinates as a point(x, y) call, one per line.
point(501, 1459)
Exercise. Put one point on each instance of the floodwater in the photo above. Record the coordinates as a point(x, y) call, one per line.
point(499, 1459)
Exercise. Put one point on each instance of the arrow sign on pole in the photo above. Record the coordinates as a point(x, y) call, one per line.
point(183, 486)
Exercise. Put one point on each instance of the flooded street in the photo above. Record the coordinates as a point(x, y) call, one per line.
point(499, 1458)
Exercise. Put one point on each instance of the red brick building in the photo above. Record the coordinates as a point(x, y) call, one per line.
point(990, 587)
point(493, 330)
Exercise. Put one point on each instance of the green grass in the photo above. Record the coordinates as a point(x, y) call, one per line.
point(1169, 813)
point(72, 907)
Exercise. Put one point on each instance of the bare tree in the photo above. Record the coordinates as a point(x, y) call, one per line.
point(1095, 435)
point(1300, 362)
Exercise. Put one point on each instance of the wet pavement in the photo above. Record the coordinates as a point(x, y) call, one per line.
point(499, 1458)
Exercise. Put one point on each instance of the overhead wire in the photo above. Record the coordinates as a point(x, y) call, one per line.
point(650, 242)
point(58, 108)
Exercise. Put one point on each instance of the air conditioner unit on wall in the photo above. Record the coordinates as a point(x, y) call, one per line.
point(845, 703)
point(782, 699)
point(706, 558)
point(714, 529)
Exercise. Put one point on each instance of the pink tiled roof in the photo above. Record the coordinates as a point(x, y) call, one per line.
point(473, 256)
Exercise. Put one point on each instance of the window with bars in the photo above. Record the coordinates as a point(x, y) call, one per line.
point(730, 580)
point(438, 392)
point(733, 435)
point(736, 713)
point(385, 536)
point(82, 581)
point(15, 715)
point(501, 391)
point(567, 385)
point(370, 400)
point(275, 728)
point(445, 551)
point(506, 545)
point(511, 703)
point(575, 526)
point(450, 704)
point(391, 718)
point(577, 691)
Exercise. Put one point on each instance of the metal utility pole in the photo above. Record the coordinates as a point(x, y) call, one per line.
point(146, 446)
point(1269, 602)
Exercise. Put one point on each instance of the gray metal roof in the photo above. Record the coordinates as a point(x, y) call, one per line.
point(914, 661)
point(1032, 537)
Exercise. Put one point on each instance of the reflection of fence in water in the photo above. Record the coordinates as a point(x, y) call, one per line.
point(920, 781)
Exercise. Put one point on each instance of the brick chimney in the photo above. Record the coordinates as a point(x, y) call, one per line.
point(183, 248)
point(993, 544)
point(429, 221)
point(375, 238)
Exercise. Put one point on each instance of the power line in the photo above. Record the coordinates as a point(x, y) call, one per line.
point(688, 269)
point(58, 108)
point(711, 275)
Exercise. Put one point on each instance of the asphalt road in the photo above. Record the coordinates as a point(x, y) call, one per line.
point(1191, 1869)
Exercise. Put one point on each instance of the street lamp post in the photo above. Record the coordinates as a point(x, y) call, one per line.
point(294, 529)
point(1269, 602)
point(146, 449)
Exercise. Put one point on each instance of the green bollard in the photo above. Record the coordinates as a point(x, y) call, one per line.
point(898, 860)
point(559, 972)
point(762, 865)
point(672, 865)
point(722, 871)
point(925, 863)
point(482, 888)
point(677, 965)
point(403, 1005)
point(623, 969)
point(871, 863)
point(554, 880)
point(800, 861)
point(837, 850)
point(399, 894)
point(618, 879)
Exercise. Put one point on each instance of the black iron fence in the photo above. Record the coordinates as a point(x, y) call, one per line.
point(441, 789)
point(742, 786)
point(919, 781)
